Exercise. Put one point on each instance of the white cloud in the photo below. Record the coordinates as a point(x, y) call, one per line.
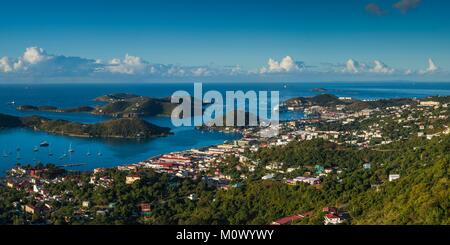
point(5, 65)
point(34, 55)
point(31, 56)
point(35, 63)
point(18, 65)
point(287, 64)
point(409, 72)
point(129, 65)
point(352, 66)
point(432, 68)
point(380, 67)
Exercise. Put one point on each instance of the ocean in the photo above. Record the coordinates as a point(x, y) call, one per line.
point(92, 153)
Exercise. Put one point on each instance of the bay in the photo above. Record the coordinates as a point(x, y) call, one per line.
point(94, 153)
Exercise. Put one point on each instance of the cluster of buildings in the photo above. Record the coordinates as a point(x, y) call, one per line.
point(33, 182)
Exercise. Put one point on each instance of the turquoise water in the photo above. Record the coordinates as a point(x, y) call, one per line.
point(115, 152)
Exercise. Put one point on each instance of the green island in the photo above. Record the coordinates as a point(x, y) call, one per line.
point(128, 128)
point(55, 109)
point(119, 105)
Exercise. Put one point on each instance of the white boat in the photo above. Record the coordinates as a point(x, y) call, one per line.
point(71, 150)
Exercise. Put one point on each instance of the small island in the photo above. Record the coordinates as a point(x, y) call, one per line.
point(125, 128)
point(319, 90)
point(120, 105)
point(79, 109)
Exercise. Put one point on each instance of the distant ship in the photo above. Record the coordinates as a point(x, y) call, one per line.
point(35, 149)
point(44, 144)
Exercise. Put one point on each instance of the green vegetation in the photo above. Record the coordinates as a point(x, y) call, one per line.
point(129, 106)
point(319, 100)
point(54, 109)
point(117, 105)
point(117, 128)
point(420, 196)
point(331, 101)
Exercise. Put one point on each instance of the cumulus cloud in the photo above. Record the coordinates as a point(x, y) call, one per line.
point(287, 64)
point(374, 9)
point(5, 65)
point(380, 67)
point(35, 61)
point(431, 69)
point(406, 5)
point(352, 66)
point(355, 67)
point(129, 65)
point(34, 55)
point(36, 64)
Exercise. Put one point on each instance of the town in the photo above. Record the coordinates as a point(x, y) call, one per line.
point(344, 122)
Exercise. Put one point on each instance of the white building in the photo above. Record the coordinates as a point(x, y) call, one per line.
point(331, 219)
point(393, 177)
point(429, 103)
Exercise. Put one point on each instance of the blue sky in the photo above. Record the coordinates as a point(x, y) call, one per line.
point(320, 39)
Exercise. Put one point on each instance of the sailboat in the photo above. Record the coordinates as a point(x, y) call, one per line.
point(71, 150)
point(50, 153)
point(88, 153)
point(35, 149)
point(99, 154)
point(5, 154)
point(44, 144)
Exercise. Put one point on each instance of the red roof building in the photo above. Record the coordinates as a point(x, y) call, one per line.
point(287, 220)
